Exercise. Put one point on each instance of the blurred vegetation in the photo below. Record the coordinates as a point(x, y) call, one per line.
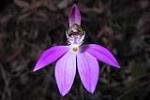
point(27, 27)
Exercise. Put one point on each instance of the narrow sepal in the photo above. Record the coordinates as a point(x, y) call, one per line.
point(75, 16)
point(49, 56)
point(102, 54)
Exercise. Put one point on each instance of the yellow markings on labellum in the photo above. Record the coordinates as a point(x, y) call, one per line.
point(75, 49)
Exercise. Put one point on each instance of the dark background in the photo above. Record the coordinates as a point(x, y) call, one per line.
point(28, 27)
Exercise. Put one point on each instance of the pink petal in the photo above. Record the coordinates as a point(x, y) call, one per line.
point(102, 54)
point(65, 71)
point(49, 56)
point(75, 16)
point(88, 70)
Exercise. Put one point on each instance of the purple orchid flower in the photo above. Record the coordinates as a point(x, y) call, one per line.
point(75, 55)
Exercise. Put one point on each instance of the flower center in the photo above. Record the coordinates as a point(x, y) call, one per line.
point(75, 36)
point(74, 48)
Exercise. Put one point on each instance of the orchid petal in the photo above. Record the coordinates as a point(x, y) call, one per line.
point(65, 71)
point(50, 56)
point(88, 70)
point(75, 16)
point(102, 54)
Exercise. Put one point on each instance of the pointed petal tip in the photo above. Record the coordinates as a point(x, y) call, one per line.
point(63, 93)
point(38, 66)
point(75, 6)
point(116, 65)
point(91, 91)
point(35, 69)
